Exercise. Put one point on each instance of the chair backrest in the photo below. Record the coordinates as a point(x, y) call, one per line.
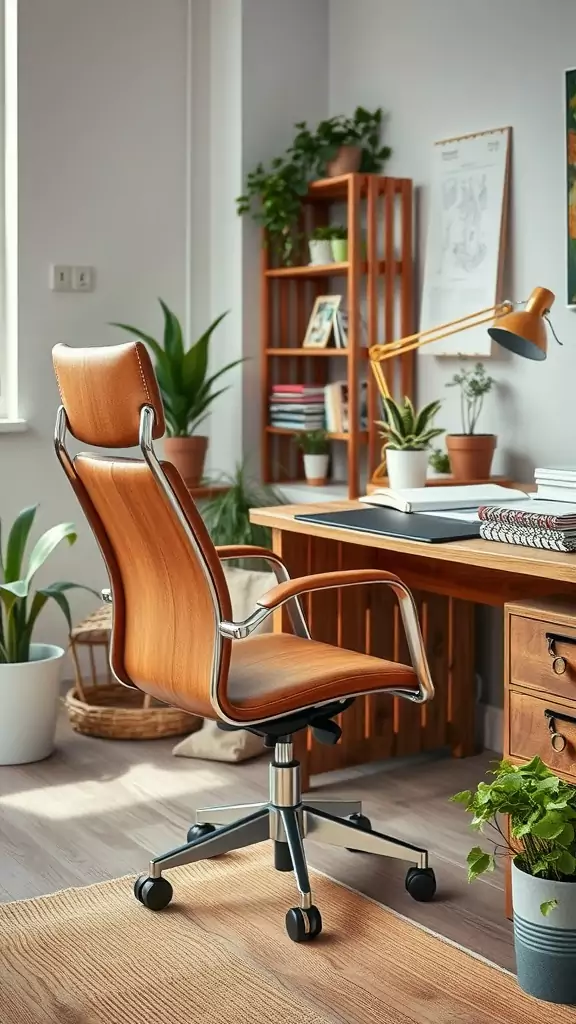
point(168, 588)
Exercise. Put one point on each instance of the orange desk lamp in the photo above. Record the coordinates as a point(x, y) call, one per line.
point(520, 331)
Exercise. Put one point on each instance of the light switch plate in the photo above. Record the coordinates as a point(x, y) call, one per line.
point(82, 279)
point(60, 277)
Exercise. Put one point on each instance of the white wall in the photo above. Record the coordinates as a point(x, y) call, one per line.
point(102, 181)
point(452, 67)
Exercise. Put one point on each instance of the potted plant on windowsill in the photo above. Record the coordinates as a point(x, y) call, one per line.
point(541, 812)
point(315, 448)
point(471, 454)
point(408, 437)
point(187, 391)
point(29, 671)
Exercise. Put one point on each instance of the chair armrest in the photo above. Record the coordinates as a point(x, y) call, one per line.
point(244, 551)
point(229, 551)
point(353, 577)
point(323, 581)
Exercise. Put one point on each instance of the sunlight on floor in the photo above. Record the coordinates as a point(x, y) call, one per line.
point(139, 785)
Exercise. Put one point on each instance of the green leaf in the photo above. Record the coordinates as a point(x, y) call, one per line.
point(173, 345)
point(566, 863)
point(549, 827)
point(463, 797)
point(45, 546)
point(478, 862)
point(548, 906)
point(566, 836)
point(426, 414)
point(17, 540)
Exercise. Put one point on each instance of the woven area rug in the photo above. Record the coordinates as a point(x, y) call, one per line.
point(219, 954)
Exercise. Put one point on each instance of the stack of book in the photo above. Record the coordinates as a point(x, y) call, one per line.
point(297, 407)
point(558, 483)
point(535, 523)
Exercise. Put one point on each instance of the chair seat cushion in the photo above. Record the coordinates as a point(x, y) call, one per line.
point(278, 673)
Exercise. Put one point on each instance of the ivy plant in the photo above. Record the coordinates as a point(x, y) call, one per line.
point(273, 193)
point(542, 819)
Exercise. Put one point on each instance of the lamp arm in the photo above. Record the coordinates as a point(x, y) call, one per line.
point(379, 353)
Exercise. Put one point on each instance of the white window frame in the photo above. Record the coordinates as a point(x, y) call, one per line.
point(9, 412)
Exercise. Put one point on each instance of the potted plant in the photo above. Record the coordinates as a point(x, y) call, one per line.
point(439, 462)
point(347, 144)
point(408, 436)
point(315, 447)
point(274, 193)
point(471, 454)
point(339, 243)
point(187, 391)
point(320, 246)
point(29, 671)
point(541, 812)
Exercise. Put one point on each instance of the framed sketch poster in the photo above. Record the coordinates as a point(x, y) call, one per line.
point(571, 187)
point(465, 243)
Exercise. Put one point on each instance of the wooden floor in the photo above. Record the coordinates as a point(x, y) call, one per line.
point(97, 809)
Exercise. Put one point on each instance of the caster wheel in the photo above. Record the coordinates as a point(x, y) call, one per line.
point(421, 884)
point(154, 893)
point(303, 925)
point(361, 822)
point(197, 831)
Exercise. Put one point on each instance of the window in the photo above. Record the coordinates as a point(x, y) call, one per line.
point(8, 210)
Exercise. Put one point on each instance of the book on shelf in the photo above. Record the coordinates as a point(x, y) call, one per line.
point(543, 539)
point(439, 499)
point(337, 404)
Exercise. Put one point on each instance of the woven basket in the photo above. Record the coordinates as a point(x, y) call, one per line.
point(108, 709)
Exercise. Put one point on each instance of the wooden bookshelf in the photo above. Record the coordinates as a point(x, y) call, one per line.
point(377, 284)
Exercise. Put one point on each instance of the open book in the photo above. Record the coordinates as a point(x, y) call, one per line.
point(439, 499)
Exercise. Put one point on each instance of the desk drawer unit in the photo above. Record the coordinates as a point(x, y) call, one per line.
point(540, 683)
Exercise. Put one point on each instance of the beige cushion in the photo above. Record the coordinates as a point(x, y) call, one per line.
point(211, 743)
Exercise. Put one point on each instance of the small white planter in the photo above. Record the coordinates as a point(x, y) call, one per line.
point(406, 469)
point(545, 946)
point(320, 252)
point(316, 469)
point(29, 695)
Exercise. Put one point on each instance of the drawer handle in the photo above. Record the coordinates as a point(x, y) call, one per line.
point(559, 663)
point(557, 739)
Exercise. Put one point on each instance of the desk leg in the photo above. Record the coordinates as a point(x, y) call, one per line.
point(461, 678)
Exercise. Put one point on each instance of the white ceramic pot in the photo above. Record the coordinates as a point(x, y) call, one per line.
point(29, 695)
point(320, 252)
point(316, 469)
point(406, 469)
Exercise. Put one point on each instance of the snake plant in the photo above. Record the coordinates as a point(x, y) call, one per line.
point(17, 616)
point(187, 390)
point(407, 430)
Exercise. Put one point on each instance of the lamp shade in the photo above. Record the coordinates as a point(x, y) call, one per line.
point(524, 331)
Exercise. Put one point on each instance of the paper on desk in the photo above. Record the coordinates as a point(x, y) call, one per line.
point(463, 515)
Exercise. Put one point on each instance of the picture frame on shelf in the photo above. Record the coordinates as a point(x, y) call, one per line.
point(322, 321)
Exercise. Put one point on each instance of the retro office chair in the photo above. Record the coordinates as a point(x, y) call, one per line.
point(173, 636)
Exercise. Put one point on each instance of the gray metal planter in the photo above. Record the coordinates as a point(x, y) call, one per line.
point(545, 946)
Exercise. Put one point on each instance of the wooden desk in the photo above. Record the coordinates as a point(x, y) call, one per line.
point(447, 580)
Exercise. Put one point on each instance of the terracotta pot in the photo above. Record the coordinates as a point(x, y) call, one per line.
point(188, 454)
point(471, 455)
point(346, 161)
